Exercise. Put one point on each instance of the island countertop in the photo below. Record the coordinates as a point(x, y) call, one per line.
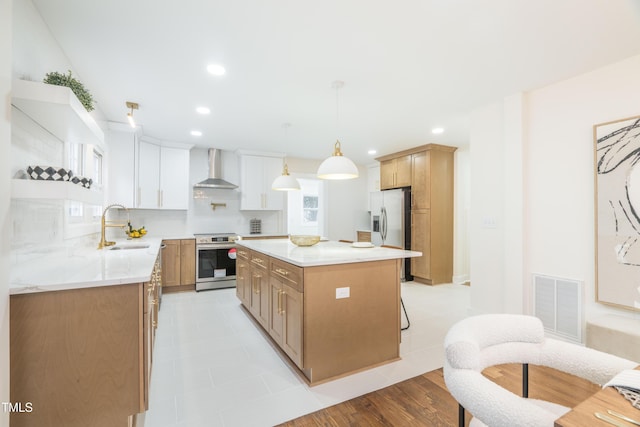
point(85, 268)
point(324, 253)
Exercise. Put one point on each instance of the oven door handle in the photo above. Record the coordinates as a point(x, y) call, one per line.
point(207, 246)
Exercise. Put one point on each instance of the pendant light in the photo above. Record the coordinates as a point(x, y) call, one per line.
point(337, 166)
point(285, 182)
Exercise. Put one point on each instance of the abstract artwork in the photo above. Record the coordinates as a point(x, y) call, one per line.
point(617, 204)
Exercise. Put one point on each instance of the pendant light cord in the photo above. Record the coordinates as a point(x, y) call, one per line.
point(337, 85)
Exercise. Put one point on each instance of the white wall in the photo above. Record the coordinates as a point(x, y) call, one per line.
point(538, 148)
point(486, 240)
point(5, 197)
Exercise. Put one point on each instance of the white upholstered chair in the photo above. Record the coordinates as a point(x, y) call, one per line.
point(478, 342)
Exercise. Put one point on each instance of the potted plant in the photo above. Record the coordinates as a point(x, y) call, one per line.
point(59, 79)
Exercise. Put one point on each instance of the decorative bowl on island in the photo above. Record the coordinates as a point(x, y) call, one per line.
point(304, 240)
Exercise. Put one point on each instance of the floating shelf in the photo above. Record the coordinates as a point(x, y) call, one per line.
point(54, 190)
point(58, 110)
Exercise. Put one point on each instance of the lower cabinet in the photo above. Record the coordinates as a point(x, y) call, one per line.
point(259, 298)
point(243, 277)
point(421, 242)
point(81, 357)
point(178, 263)
point(285, 319)
point(272, 292)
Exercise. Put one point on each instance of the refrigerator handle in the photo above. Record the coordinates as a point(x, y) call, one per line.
point(383, 226)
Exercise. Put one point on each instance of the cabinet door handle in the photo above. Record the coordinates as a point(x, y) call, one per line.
point(282, 302)
point(282, 271)
point(280, 308)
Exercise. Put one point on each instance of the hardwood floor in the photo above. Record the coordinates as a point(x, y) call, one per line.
point(425, 401)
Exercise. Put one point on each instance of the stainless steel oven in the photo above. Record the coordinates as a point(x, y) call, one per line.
point(215, 261)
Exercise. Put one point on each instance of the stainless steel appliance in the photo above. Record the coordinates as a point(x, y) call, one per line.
point(391, 221)
point(215, 261)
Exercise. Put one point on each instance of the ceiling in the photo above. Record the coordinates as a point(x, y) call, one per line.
point(407, 65)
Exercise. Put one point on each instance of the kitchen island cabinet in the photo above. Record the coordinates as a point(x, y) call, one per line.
point(333, 309)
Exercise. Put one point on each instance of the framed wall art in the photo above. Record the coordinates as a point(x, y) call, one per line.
point(617, 212)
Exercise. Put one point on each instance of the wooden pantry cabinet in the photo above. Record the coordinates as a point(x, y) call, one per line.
point(395, 172)
point(432, 189)
point(179, 264)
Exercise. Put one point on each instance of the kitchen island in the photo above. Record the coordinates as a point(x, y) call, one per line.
point(333, 309)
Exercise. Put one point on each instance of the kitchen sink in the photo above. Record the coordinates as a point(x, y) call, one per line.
point(135, 246)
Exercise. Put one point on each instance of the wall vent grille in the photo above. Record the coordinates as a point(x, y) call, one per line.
point(557, 302)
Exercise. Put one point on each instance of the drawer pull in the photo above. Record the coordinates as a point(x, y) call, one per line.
point(258, 261)
point(282, 271)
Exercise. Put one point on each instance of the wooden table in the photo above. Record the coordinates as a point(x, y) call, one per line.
point(607, 398)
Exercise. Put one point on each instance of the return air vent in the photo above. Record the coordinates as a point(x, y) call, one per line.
point(558, 303)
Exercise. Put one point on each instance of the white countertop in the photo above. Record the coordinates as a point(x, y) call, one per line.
point(85, 268)
point(324, 253)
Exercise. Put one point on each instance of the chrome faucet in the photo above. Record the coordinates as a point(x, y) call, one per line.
point(105, 223)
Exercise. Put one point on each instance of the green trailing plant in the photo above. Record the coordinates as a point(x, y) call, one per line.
point(59, 79)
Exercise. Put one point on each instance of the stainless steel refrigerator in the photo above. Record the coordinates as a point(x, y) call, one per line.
point(391, 221)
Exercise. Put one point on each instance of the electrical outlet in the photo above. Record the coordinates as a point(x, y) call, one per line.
point(343, 292)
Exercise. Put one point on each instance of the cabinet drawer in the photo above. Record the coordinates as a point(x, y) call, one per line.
point(288, 273)
point(242, 252)
point(259, 260)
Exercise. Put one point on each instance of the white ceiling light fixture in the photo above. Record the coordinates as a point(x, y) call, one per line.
point(203, 110)
point(285, 182)
point(216, 69)
point(131, 106)
point(337, 166)
point(372, 152)
point(196, 133)
point(437, 131)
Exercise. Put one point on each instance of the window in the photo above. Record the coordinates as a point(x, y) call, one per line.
point(97, 169)
point(75, 158)
point(310, 209)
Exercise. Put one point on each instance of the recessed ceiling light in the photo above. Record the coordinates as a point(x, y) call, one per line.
point(216, 69)
point(372, 152)
point(196, 133)
point(203, 110)
point(437, 130)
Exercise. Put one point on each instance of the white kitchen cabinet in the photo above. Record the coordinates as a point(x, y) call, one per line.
point(148, 193)
point(121, 170)
point(147, 176)
point(256, 176)
point(163, 177)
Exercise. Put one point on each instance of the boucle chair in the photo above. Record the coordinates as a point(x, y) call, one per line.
point(478, 342)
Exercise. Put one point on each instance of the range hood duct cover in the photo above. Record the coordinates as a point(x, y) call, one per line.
point(215, 168)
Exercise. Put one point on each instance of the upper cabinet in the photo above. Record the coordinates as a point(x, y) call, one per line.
point(395, 173)
point(256, 175)
point(146, 175)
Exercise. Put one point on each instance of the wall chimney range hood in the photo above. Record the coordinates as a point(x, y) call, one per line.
point(215, 173)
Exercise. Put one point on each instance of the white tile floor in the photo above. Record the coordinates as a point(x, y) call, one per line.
point(212, 367)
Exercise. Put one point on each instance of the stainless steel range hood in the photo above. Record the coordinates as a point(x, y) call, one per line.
point(215, 173)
